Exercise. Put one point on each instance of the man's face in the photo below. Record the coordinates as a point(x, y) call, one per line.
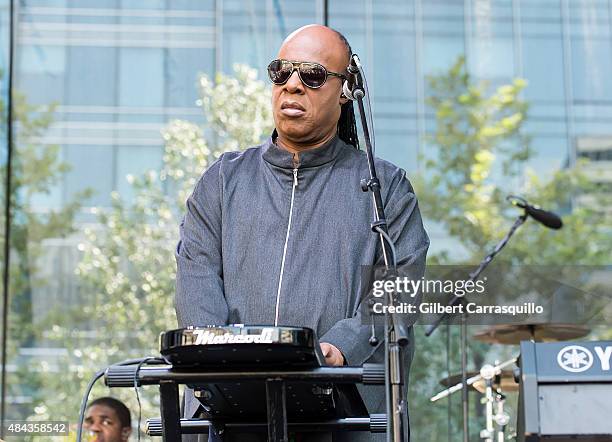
point(304, 115)
point(103, 423)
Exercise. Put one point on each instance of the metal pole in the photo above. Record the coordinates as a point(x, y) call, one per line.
point(464, 390)
point(7, 214)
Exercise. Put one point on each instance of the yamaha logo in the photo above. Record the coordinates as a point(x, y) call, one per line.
point(575, 358)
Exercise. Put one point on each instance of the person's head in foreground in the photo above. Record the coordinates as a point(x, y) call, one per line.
point(308, 105)
point(108, 420)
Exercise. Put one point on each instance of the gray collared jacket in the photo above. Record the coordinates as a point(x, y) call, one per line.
point(265, 240)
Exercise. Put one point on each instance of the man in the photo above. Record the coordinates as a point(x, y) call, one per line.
point(277, 234)
point(108, 419)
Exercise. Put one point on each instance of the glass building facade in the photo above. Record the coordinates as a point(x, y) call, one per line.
point(95, 81)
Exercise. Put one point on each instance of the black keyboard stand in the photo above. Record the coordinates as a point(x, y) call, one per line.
point(276, 383)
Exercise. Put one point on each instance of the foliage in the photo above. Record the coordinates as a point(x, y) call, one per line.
point(480, 154)
point(36, 169)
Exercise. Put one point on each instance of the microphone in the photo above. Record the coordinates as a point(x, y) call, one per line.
point(348, 87)
point(544, 217)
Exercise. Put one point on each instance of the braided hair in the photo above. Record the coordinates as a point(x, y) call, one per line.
point(347, 126)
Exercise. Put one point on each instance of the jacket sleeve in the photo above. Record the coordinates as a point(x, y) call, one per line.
point(350, 335)
point(199, 298)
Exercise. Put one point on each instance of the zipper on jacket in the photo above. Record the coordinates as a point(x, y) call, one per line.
point(280, 281)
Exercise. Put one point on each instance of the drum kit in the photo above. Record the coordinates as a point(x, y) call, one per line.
point(493, 381)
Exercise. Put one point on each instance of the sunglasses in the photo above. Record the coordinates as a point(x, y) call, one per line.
point(313, 75)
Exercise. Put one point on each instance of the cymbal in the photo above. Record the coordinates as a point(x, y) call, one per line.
point(513, 334)
point(506, 384)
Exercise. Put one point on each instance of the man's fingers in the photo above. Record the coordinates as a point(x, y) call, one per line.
point(326, 349)
point(332, 354)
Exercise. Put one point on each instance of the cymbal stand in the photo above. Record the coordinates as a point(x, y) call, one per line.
point(487, 372)
point(501, 417)
point(497, 369)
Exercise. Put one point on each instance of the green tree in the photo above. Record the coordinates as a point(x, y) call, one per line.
point(36, 169)
point(479, 154)
point(128, 269)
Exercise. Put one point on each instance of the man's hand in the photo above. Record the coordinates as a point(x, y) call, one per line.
point(333, 356)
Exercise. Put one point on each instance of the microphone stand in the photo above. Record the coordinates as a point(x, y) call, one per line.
point(396, 334)
point(458, 300)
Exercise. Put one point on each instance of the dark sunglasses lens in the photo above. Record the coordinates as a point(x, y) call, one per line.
point(313, 75)
point(279, 71)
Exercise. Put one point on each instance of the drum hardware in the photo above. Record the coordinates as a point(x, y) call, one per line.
point(492, 381)
point(488, 373)
point(504, 381)
point(470, 381)
point(541, 216)
point(494, 401)
point(513, 334)
point(492, 377)
point(502, 419)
